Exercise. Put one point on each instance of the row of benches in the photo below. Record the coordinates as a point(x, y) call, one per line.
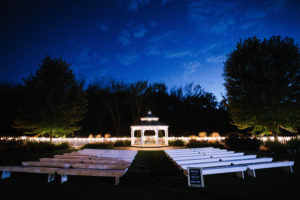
point(89, 162)
point(206, 161)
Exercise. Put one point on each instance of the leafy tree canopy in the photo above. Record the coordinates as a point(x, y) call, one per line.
point(54, 101)
point(262, 82)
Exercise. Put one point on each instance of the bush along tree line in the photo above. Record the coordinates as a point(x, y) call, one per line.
point(261, 79)
point(15, 145)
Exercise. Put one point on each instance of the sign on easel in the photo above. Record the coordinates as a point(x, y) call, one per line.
point(195, 178)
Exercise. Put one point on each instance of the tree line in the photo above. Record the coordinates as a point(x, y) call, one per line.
point(52, 102)
point(261, 80)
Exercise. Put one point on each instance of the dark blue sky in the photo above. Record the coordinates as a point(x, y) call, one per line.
point(175, 42)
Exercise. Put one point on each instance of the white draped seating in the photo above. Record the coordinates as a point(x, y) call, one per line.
point(211, 160)
point(87, 162)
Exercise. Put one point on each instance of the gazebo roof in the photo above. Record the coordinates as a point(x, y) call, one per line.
point(149, 123)
point(149, 120)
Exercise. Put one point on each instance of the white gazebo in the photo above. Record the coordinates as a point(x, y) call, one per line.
point(149, 123)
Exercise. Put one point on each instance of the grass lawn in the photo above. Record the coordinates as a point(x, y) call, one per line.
point(151, 176)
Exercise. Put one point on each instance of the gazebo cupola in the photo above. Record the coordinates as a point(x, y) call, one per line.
point(149, 123)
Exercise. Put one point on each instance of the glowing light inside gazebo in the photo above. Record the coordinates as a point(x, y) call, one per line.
point(149, 123)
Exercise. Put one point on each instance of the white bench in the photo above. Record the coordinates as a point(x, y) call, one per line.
point(286, 164)
point(6, 171)
point(248, 161)
point(239, 170)
point(184, 162)
point(238, 157)
point(225, 155)
point(219, 153)
point(190, 158)
point(112, 161)
point(207, 164)
point(90, 172)
point(227, 163)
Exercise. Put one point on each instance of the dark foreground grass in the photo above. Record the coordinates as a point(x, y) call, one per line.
point(151, 176)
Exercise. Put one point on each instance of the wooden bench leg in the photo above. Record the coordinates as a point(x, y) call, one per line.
point(240, 175)
point(251, 172)
point(64, 178)
point(288, 169)
point(51, 178)
point(117, 181)
point(5, 174)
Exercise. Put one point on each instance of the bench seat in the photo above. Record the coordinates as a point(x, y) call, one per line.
point(6, 171)
point(244, 157)
point(197, 161)
point(286, 164)
point(190, 158)
point(90, 172)
point(222, 170)
point(207, 164)
point(255, 160)
point(46, 164)
point(239, 170)
point(116, 162)
point(225, 155)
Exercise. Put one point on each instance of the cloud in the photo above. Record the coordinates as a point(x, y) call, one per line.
point(139, 31)
point(103, 27)
point(165, 2)
point(249, 25)
point(128, 59)
point(153, 23)
point(178, 54)
point(157, 42)
point(84, 55)
point(275, 6)
point(190, 67)
point(219, 17)
point(212, 16)
point(71, 42)
point(216, 59)
point(152, 50)
point(160, 37)
point(133, 5)
point(125, 38)
point(103, 61)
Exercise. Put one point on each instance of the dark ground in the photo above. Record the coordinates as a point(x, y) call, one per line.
point(151, 176)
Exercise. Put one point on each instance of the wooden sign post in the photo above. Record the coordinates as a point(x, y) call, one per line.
point(195, 177)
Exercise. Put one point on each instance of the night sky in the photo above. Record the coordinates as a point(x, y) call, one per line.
point(169, 41)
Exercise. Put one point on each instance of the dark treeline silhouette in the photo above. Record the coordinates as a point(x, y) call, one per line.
point(113, 106)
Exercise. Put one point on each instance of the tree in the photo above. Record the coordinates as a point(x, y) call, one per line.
point(10, 95)
point(54, 102)
point(262, 82)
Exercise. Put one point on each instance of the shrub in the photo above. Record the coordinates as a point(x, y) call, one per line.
point(30, 145)
point(122, 143)
point(178, 143)
point(236, 142)
point(276, 146)
point(197, 143)
point(293, 144)
point(64, 145)
point(99, 145)
point(202, 134)
point(214, 134)
point(39, 146)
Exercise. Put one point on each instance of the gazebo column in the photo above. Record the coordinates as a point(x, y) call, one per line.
point(166, 137)
point(142, 136)
point(157, 136)
point(132, 136)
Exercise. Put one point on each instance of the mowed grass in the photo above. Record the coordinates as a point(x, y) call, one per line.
point(151, 176)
